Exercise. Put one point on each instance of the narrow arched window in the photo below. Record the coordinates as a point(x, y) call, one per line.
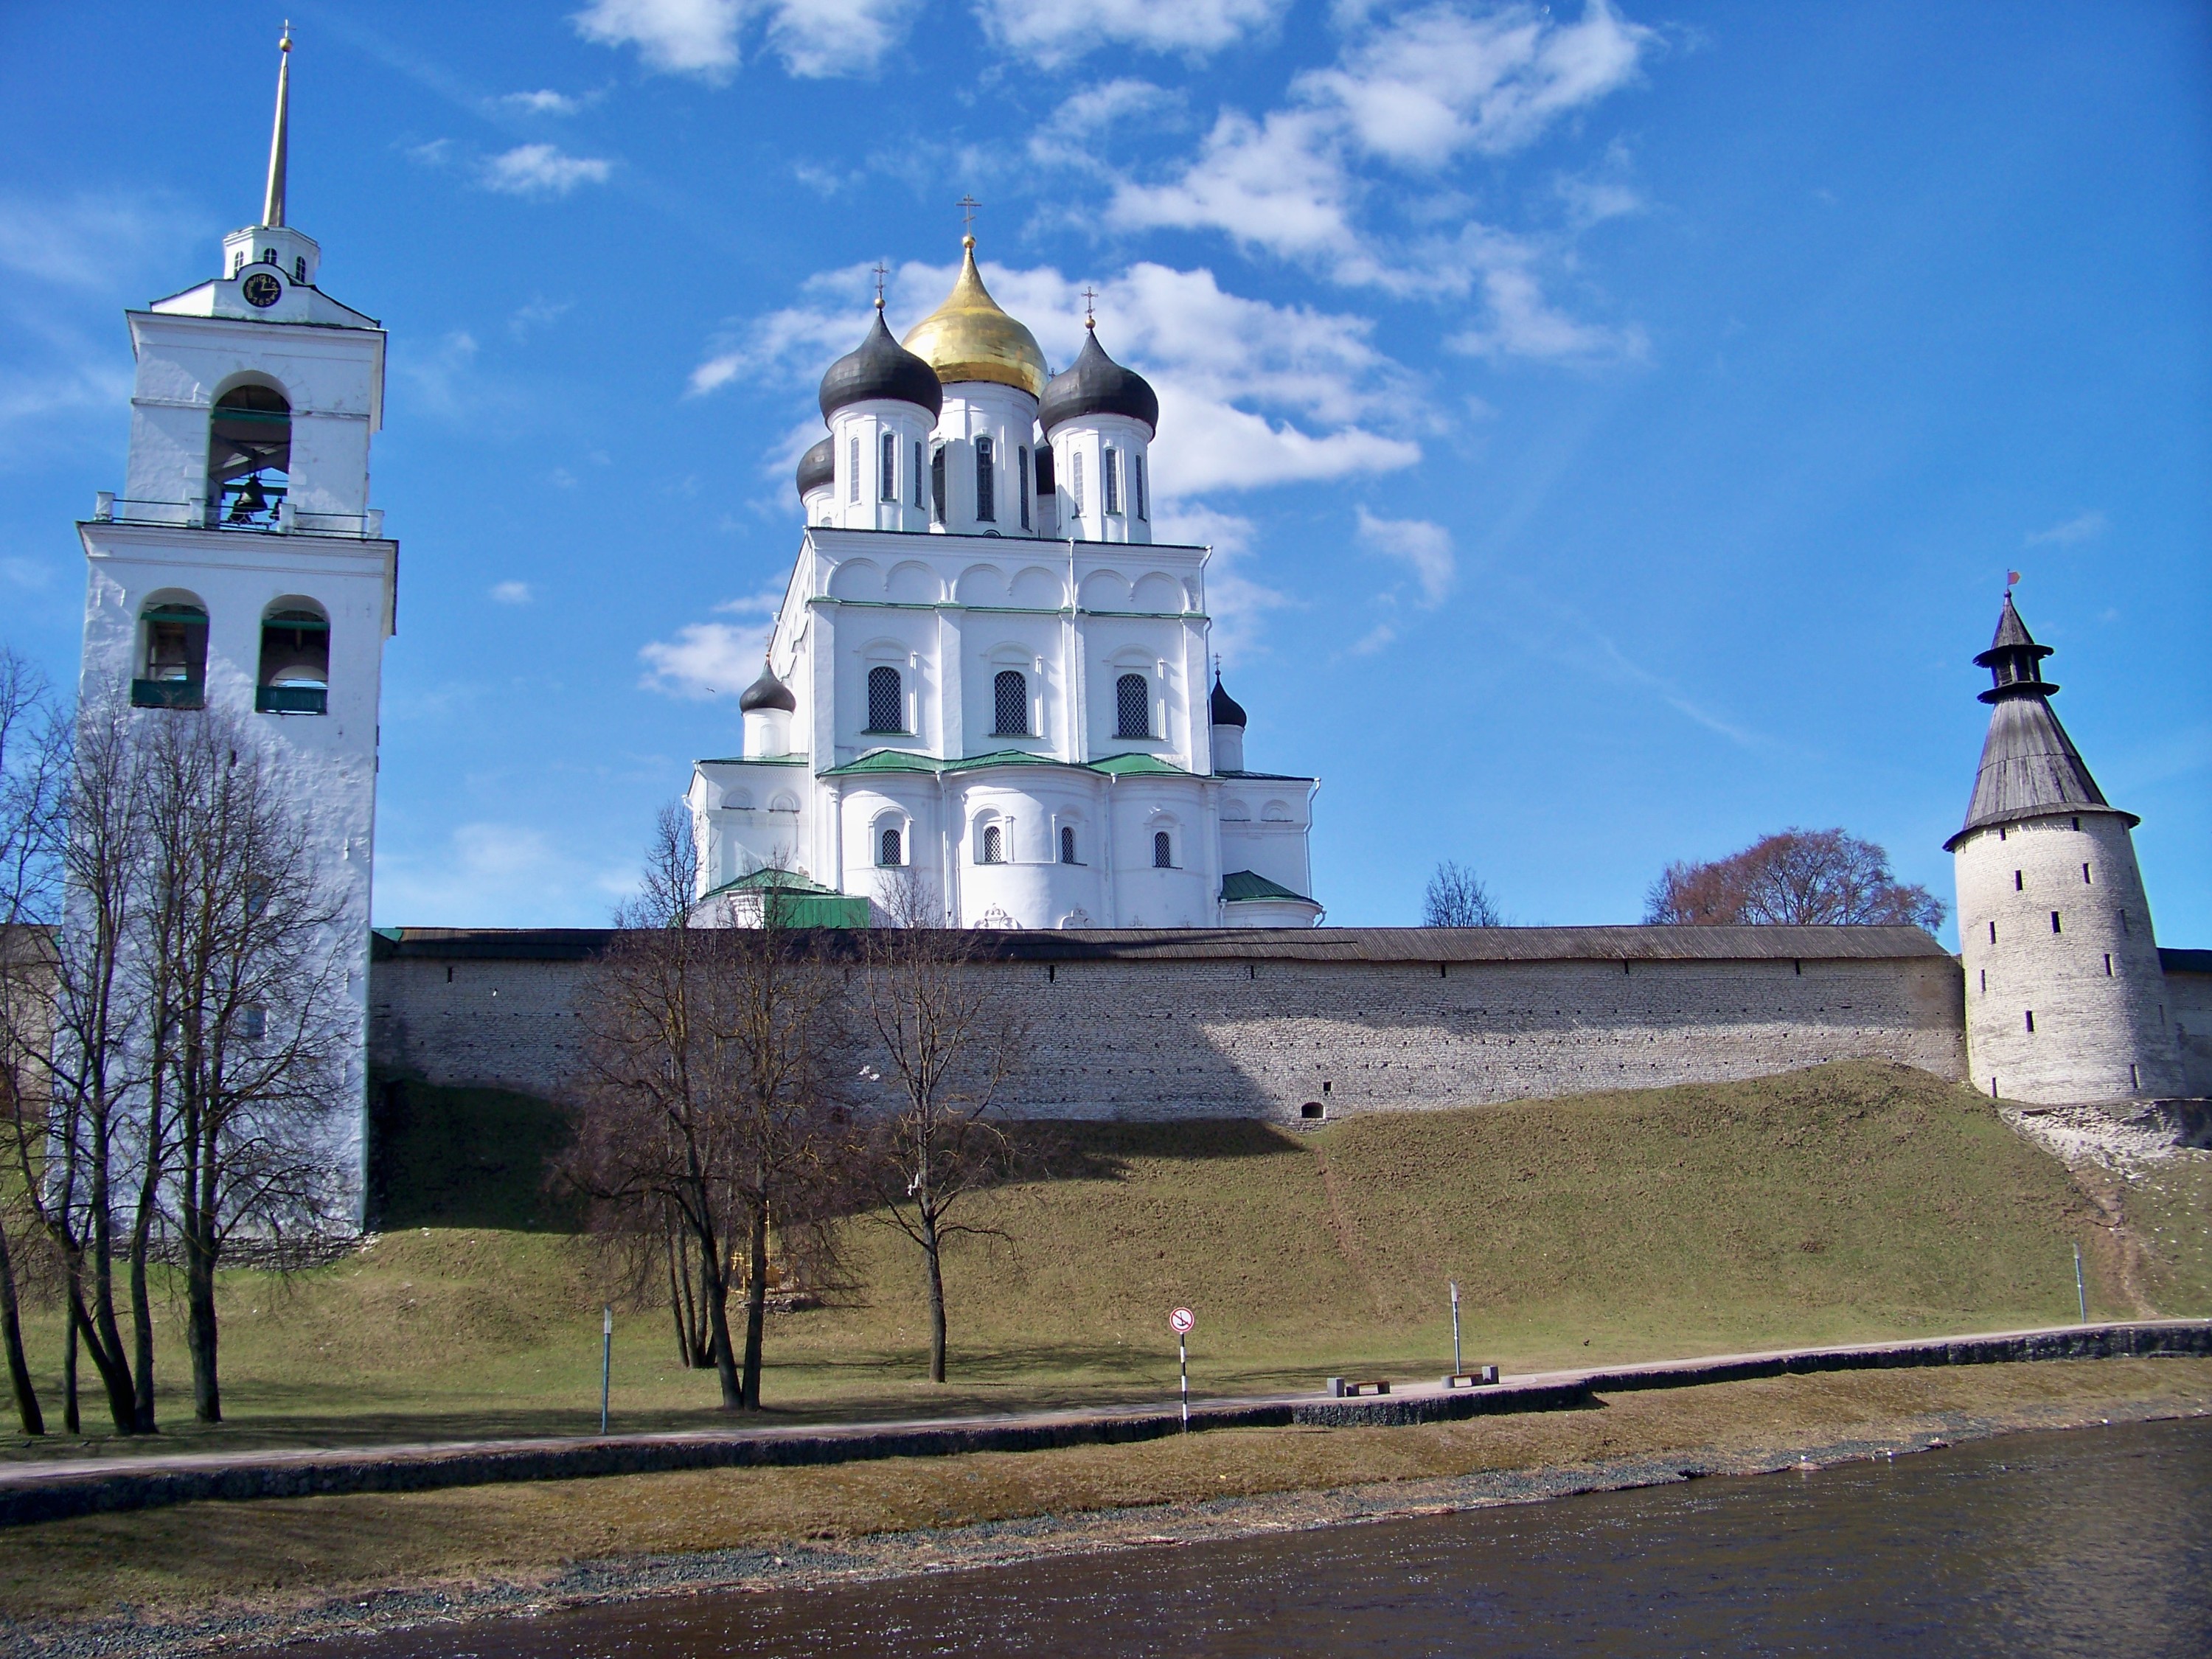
point(987, 482)
point(1163, 851)
point(887, 486)
point(1133, 706)
point(1022, 481)
point(852, 472)
point(172, 669)
point(1068, 843)
point(1109, 481)
point(937, 486)
point(1009, 703)
point(1075, 481)
point(994, 845)
point(1137, 486)
point(888, 849)
point(886, 705)
point(249, 458)
point(921, 474)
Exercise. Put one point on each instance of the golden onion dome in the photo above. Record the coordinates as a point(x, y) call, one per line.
point(969, 338)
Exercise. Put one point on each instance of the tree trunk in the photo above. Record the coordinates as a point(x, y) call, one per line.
point(677, 1285)
point(756, 1307)
point(11, 1331)
point(716, 1281)
point(932, 1248)
point(200, 1330)
point(72, 1422)
point(141, 1326)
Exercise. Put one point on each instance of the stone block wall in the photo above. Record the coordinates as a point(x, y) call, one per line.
point(1214, 1036)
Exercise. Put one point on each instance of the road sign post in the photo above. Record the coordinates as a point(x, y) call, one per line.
point(606, 1363)
point(1457, 1367)
point(1181, 1321)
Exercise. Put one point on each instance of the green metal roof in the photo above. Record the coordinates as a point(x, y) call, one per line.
point(1265, 777)
point(783, 881)
point(1124, 766)
point(1241, 884)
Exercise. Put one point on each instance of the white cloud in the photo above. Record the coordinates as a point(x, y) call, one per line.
point(543, 103)
point(1424, 547)
point(1415, 94)
point(543, 170)
point(94, 241)
point(815, 38)
point(2083, 527)
point(513, 593)
point(1054, 33)
point(441, 375)
point(705, 660)
point(27, 572)
point(1070, 139)
point(538, 313)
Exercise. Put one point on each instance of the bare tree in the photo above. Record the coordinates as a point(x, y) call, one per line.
point(1457, 898)
point(249, 1016)
point(1804, 877)
point(947, 1046)
point(33, 766)
point(715, 1056)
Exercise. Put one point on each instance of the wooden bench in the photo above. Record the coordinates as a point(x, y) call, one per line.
point(1345, 1387)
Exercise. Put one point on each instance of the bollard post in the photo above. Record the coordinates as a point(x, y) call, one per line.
point(606, 1363)
point(2080, 1292)
point(1457, 1367)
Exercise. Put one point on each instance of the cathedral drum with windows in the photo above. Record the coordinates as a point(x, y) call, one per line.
point(986, 682)
point(242, 567)
point(2067, 1000)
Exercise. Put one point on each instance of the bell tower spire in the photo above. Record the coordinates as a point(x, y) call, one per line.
point(272, 204)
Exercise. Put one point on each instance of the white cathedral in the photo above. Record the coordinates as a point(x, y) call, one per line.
point(986, 682)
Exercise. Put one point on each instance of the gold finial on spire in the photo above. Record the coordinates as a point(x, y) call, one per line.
point(272, 204)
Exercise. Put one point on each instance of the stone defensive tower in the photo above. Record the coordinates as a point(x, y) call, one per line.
point(2066, 1003)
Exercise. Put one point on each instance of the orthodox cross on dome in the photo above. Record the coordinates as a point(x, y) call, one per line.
point(1090, 307)
point(883, 272)
point(968, 204)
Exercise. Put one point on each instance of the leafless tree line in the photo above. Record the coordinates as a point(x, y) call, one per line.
point(173, 1038)
point(748, 1089)
point(1805, 877)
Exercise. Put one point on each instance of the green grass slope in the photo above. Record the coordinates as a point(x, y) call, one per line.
point(1855, 1200)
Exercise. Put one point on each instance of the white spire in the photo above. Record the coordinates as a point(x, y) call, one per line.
point(272, 206)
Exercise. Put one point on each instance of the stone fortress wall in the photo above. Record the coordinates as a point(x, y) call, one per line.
point(1227, 1022)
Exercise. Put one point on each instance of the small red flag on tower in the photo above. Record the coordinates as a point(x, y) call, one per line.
point(2012, 579)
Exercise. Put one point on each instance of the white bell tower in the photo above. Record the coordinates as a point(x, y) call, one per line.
point(242, 567)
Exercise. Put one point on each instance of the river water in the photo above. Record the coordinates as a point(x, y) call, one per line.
point(2096, 1542)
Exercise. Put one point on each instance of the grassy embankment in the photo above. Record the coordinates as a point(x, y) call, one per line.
point(1858, 1200)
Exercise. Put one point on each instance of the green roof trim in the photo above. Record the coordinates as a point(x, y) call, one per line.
point(782, 881)
point(1124, 766)
point(1240, 886)
point(886, 760)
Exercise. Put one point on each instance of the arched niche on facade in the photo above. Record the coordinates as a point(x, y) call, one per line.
point(857, 579)
point(983, 584)
point(1039, 589)
point(1157, 592)
point(1105, 590)
point(914, 583)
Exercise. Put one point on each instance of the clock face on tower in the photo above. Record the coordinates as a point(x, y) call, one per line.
point(262, 289)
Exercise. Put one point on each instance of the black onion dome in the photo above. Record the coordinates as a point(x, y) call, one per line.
point(817, 468)
point(1094, 384)
point(880, 368)
point(1225, 710)
point(768, 692)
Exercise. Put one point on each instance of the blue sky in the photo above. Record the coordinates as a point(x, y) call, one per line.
point(1615, 424)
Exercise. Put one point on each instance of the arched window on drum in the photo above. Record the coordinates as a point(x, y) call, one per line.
point(886, 701)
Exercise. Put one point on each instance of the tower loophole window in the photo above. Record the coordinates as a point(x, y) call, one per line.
point(994, 844)
point(1162, 850)
point(886, 701)
point(1009, 703)
point(249, 458)
point(295, 663)
point(889, 848)
point(1133, 706)
point(172, 672)
point(1068, 843)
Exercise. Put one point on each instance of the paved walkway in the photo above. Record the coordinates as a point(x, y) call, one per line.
point(48, 1491)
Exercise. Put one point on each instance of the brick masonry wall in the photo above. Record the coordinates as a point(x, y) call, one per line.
point(2189, 1002)
point(1164, 1040)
